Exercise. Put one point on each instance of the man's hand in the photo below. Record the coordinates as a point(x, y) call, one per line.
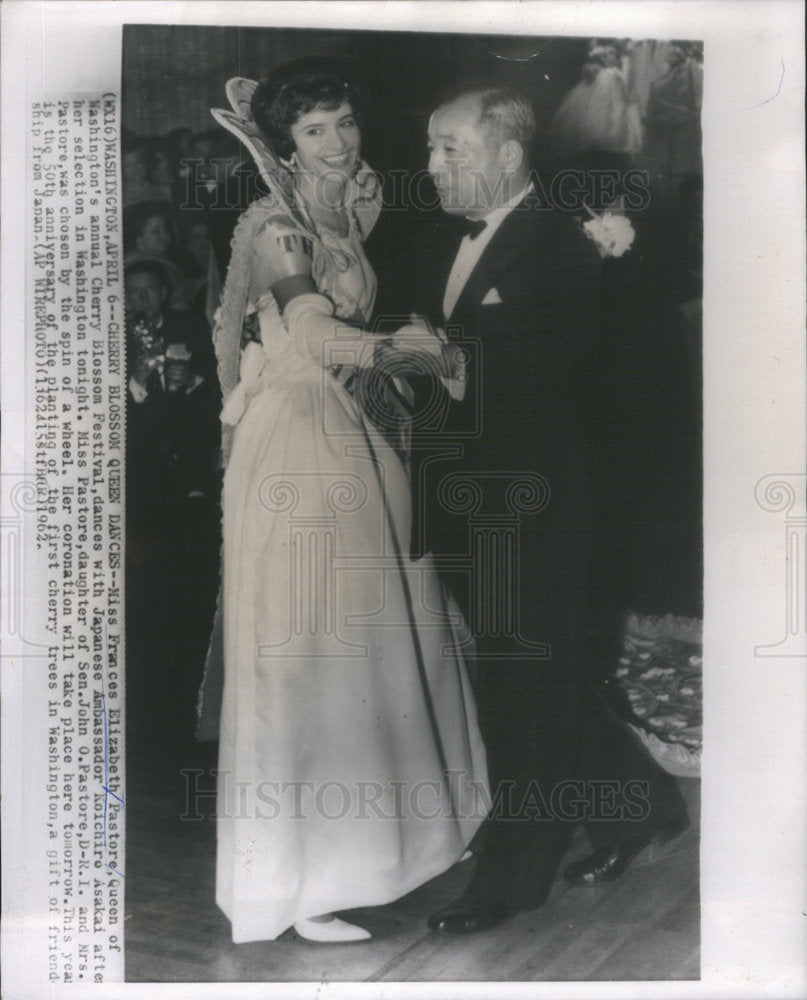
point(178, 375)
point(455, 360)
point(177, 371)
point(143, 366)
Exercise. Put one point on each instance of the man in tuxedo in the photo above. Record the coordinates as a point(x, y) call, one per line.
point(502, 499)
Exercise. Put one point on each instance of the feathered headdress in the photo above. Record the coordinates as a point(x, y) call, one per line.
point(278, 179)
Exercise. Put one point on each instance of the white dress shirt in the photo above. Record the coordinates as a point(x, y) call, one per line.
point(471, 250)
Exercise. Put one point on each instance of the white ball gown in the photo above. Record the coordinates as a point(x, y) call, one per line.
point(598, 113)
point(351, 765)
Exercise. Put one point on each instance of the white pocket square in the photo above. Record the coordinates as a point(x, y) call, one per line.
point(492, 298)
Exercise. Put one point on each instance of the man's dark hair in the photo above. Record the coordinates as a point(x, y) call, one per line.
point(152, 267)
point(504, 114)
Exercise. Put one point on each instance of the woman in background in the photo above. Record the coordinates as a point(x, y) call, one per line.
point(600, 112)
point(150, 234)
point(138, 186)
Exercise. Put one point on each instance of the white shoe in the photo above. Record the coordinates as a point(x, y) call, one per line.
point(466, 856)
point(333, 930)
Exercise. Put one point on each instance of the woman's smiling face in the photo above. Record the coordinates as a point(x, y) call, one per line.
point(327, 143)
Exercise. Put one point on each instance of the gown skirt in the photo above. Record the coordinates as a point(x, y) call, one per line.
point(351, 768)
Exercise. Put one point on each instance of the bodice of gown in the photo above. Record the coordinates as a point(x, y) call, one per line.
point(341, 272)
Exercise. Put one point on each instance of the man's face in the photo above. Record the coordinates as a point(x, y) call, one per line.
point(467, 169)
point(145, 294)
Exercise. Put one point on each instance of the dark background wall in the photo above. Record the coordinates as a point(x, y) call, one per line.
point(643, 396)
point(172, 76)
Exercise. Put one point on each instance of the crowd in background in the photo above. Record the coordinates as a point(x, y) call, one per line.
point(172, 286)
point(639, 98)
point(167, 187)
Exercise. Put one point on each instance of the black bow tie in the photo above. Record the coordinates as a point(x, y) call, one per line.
point(472, 227)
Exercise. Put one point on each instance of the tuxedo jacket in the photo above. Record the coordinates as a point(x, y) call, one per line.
point(526, 315)
point(172, 441)
point(529, 315)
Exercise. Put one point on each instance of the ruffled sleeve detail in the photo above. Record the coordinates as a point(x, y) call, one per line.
point(228, 325)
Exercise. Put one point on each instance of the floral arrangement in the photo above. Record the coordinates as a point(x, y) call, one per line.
point(149, 344)
point(661, 674)
point(613, 235)
point(150, 347)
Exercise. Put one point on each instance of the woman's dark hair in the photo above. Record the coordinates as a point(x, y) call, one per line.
point(294, 89)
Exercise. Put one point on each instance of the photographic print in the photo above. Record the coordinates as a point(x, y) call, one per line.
point(460, 611)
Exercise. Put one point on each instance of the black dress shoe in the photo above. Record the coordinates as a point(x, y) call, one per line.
point(609, 862)
point(468, 917)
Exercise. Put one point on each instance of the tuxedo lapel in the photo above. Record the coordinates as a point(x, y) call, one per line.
point(506, 244)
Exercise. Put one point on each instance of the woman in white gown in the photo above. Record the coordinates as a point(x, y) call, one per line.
point(351, 765)
point(600, 112)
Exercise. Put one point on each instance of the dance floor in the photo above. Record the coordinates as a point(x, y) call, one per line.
point(643, 926)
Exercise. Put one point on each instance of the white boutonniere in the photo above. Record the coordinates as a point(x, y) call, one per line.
point(612, 234)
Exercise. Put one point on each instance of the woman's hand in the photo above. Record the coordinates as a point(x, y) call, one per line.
point(411, 350)
point(425, 349)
